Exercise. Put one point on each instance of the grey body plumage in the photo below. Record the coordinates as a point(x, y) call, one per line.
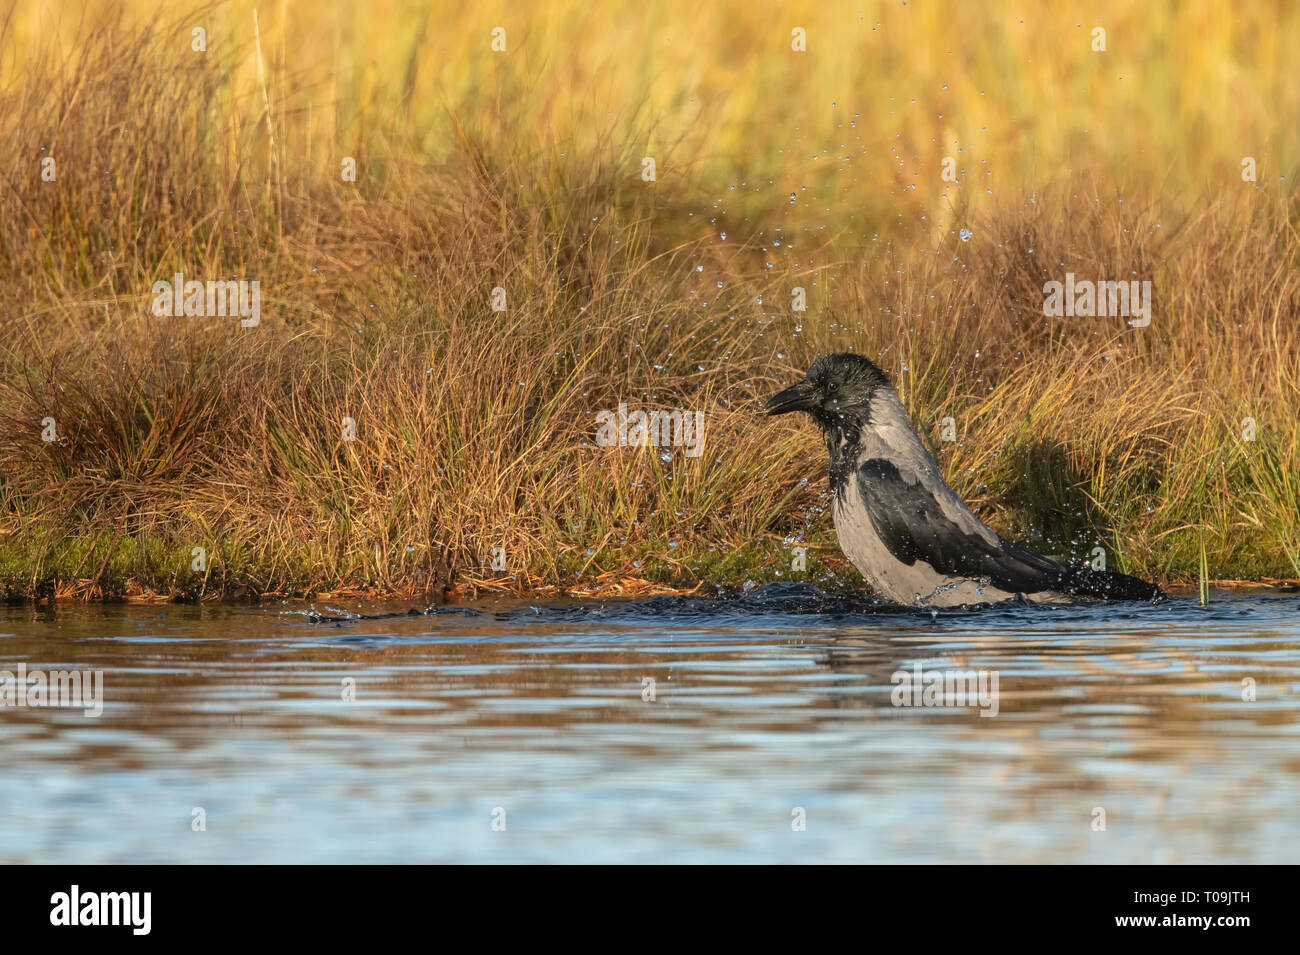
point(899, 522)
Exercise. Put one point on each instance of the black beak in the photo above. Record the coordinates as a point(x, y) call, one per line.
point(798, 397)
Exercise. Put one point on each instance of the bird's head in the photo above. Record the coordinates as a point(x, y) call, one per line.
point(837, 389)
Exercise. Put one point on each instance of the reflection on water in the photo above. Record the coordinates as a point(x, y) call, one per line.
point(761, 707)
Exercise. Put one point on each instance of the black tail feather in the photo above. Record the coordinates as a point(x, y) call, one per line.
point(1108, 585)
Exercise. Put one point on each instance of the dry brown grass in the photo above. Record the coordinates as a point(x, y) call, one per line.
point(475, 428)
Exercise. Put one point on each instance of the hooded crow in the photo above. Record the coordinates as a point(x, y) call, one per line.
point(900, 523)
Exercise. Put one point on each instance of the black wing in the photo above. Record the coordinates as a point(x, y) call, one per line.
point(912, 524)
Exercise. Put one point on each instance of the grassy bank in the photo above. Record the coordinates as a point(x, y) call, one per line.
point(475, 429)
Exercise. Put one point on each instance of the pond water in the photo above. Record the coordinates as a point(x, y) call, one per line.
point(751, 729)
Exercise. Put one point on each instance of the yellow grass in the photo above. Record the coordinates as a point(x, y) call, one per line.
point(522, 170)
